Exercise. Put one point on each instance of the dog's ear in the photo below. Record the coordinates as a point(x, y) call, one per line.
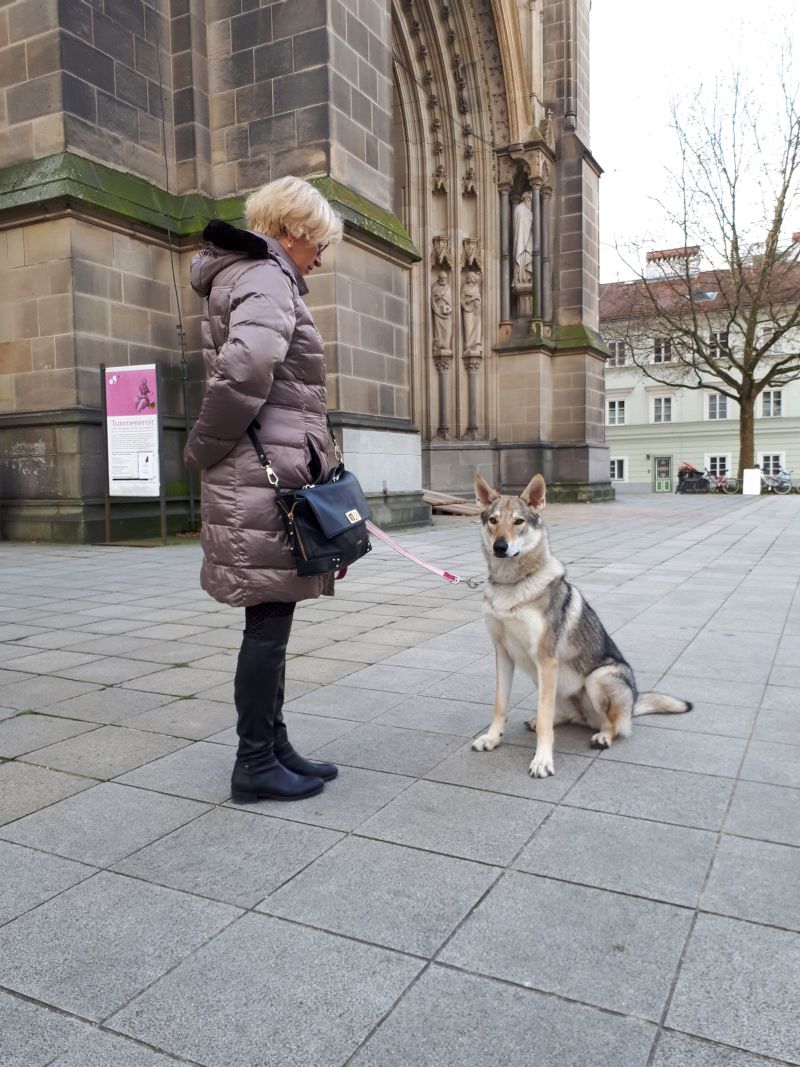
point(534, 493)
point(484, 494)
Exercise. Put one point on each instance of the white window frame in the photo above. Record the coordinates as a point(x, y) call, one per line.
point(763, 455)
point(712, 395)
point(616, 402)
point(618, 354)
point(624, 461)
point(772, 413)
point(667, 398)
point(713, 458)
point(717, 341)
point(662, 350)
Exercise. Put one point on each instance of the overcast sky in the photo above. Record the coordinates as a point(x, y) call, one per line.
point(644, 53)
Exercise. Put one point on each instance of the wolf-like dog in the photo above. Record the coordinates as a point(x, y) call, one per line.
point(541, 623)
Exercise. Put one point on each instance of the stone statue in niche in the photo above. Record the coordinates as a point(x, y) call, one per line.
point(523, 242)
point(442, 308)
point(471, 313)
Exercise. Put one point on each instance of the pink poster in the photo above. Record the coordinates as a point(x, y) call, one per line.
point(131, 390)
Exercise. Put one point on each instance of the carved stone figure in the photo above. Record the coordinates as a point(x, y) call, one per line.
point(471, 313)
point(442, 308)
point(523, 242)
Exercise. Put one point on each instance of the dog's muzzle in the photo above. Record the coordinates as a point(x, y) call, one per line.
point(500, 547)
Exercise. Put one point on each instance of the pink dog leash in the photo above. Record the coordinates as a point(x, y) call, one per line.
point(390, 541)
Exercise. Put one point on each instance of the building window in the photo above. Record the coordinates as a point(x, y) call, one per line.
point(662, 409)
point(717, 344)
point(717, 406)
point(718, 464)
point(662, 350)
point(617, 470)
point(771, 403)
point(770, 462)
point(616, 413)
point(618, 354)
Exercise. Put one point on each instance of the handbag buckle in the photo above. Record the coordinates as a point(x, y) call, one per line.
point(272, 477)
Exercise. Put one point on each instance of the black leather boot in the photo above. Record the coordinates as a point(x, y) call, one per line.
point(258, 774)
point(287, 755)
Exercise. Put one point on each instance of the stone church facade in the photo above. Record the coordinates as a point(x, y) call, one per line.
point(460, 313)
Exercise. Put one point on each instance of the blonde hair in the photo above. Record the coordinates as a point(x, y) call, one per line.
point(291, 205)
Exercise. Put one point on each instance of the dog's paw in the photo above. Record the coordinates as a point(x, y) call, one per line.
point(531, 724)
point(541, 765)
point(601, 740)
point(485, 743)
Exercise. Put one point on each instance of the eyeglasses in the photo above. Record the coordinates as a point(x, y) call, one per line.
point(321, 248)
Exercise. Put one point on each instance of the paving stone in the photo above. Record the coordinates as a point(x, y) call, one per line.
point(612, 951)
point(766, 812)
point(9, 677)
point(91, 949)
point(31, 877)
point(25, 788)
point(270, 970)
point(105, 752)
point(179, 681)
point(486, 827)
point(139, 648)
point(772, 762)
point(111, 670)
point(386, 894)
point(344, 803)
point(780, 724)
point(40, 692)
point(627, 855)
point(52, 661)
point(738, 985)
point(94, 1048)
point(30, 1036)
point(697, 800)
point(477, 688)
point(107, 705)
point(201, 771)
point(234, 856)
point(679, 751)
point(738, 693)
point(381, 748)
point(25, 733)
point(437, 715)
point(313, 669)
point(195, 718)
point(103, 824)
point(757, 881)
point(505, 770)
point(464, 1021)
point(168, 631)
point(7, 713)
point(394, 679)
point(345, 702)
point(218, 661)
point(677, 1050)
point(727, 720)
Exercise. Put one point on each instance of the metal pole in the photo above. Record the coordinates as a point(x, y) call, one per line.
point(161, 487)
point(186, 419)
point(104, 417)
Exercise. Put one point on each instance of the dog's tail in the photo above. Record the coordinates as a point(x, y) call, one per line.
point(660, 704)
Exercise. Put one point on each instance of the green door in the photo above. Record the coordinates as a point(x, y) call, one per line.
point(662, 474)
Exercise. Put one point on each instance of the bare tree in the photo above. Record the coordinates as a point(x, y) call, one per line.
point(731, 327)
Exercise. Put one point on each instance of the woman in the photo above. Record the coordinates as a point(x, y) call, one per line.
point(264, 362)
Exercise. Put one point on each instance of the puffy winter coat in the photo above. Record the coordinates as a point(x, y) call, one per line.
point(264, 360)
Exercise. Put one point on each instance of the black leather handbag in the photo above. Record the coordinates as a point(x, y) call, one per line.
point(326, 523)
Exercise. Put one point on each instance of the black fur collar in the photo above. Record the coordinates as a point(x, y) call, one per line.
point(232, 239)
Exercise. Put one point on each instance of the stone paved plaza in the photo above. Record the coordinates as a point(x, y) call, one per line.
point(434, 906)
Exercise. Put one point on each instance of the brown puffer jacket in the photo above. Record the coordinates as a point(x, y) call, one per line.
point(264, 360)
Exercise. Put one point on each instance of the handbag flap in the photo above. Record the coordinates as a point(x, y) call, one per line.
point(338, 505)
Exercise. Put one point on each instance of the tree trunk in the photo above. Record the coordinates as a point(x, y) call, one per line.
point(746, 433)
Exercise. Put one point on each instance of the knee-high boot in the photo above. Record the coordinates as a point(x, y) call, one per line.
point(286, 753)
point(258, 774)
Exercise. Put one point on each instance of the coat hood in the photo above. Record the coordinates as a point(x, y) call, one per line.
point(226, 244)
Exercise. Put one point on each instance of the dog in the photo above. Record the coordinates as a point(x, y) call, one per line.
point(540, 622)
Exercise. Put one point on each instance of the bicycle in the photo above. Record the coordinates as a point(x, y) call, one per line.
point(780, 483)
point(722, 483)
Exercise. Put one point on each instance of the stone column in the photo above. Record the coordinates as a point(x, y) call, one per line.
point(442, 364)
point(505, 267)
point(547, 277)
point(536, 263)
point(472, 365)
